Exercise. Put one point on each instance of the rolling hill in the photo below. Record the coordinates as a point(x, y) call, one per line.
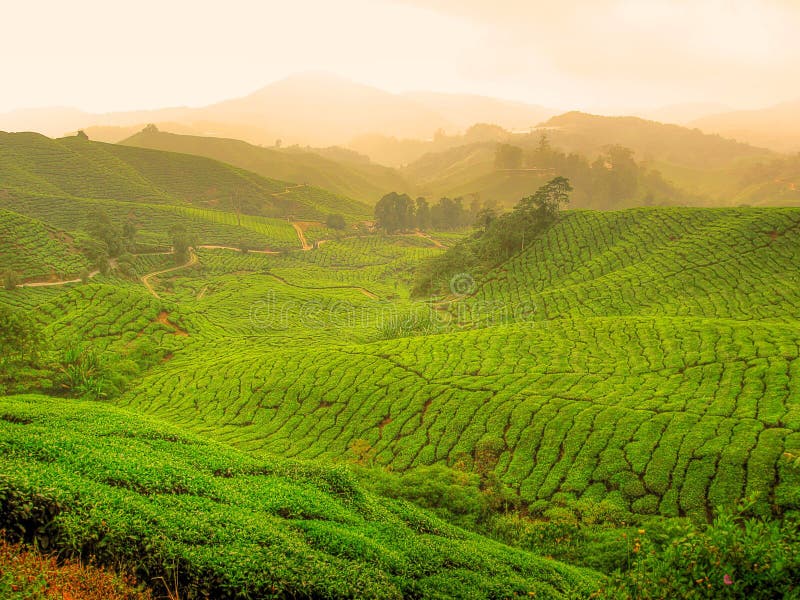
point(628, 367)
point(216, 522)
point(774, 127)
point(537, 362)
point(73, 166)
point(701, 169)
point(361, 180)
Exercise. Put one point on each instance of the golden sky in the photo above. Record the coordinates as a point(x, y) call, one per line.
point(104, 55)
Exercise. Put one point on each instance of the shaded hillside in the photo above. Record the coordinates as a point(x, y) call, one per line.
point(775, 127)
point(650, 140)
point(32, 163)
point(365, 182)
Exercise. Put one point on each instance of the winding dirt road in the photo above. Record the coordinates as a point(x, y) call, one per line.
point(145, 279)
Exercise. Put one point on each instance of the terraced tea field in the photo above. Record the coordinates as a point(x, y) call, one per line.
point(655, 364)
point(647, 358)
point(71, 167)
point(223, 524)
point(32, 250)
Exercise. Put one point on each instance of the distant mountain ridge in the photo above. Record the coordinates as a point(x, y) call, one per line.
point(309, 109)
point(363, 181)
point(776, 127)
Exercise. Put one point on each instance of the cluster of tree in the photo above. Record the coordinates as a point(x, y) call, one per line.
point(498, 237)
point(182, 243)
point(612, 179)
point(335, 221)
point(398, 212)
point(107, 239)
point(10, 279)
point(20, 339)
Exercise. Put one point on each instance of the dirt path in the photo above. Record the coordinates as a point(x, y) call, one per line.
point(146, 278)
point(364, 291)
point(163, 318)
point(288, 190)
point(59, 282)
point(435, 242)
point(213, 247)
point(301, 236)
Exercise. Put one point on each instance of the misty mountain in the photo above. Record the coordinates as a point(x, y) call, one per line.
point(340, 171)
point(309, 109)
point(465, 110)
point(776, 127)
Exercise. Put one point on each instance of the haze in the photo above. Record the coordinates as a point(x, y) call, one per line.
point(610, 55)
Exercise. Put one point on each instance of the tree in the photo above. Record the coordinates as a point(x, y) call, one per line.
point(423, 213)
point(19, 337)
point(534, 213)
point(129, 234)
point(81, 135)
point(182, 241)
point(102, 229)
point(335, 221)
point(10, 280)
point(508, 157)
point(485, 218)
point(395, 212)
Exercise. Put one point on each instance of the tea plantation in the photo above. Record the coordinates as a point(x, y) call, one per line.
point(645, 361)
point(222, 524)
point(605, 370)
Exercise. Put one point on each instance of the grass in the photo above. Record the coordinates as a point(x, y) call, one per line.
point(363, 181)
point(74, 168)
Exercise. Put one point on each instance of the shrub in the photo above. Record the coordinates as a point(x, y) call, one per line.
point(10, 280)
point(335, 221)
point(736, 556)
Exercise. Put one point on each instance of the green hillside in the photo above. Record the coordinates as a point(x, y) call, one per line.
point(708, 299)
point(75, 167)
point(693, 168)
point(29, 247)
point(222, 524)
point(361, 180)
point(641, 363)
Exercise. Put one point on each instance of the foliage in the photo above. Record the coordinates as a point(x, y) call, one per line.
point(20, 337)
point(398, 212)
point(10, 280)
point(598, 355)
point(508, 157)
point(89, 480)
point(30, 249)
point(499, 239)
point(335, 221)
point(26, 574)
point(82, 372)
point(182, 242)
point(738, 555)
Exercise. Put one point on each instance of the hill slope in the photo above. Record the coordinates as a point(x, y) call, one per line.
point(773, 127)
point(648, 356)
point(32, 163)
point(89, 479)
point(366, 182)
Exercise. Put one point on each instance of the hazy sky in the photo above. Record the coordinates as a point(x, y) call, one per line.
point(104, 55)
